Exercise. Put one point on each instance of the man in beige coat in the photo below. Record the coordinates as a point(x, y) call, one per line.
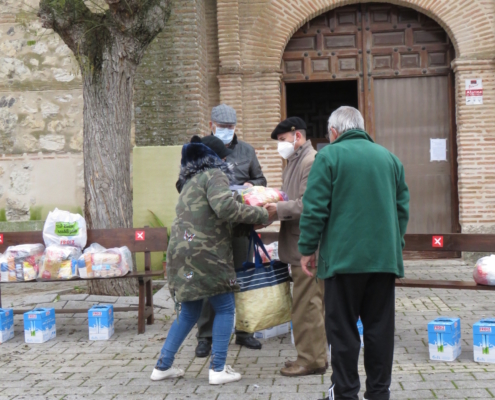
point(307, 308)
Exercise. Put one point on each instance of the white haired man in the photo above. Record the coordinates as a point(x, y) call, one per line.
point(356, 208)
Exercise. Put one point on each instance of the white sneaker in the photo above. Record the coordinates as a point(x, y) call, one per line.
point(226, 376)
point(172, 372)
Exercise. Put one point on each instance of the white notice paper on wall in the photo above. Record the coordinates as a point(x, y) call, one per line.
point(438, 149)
point(474, 91)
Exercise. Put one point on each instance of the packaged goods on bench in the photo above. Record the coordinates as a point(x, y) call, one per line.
point(100, 321)
point(260, 195)
point(444, 338)
point(273, 331)
point(484, 272)
point(39, 325)
point(484, 340)
point(22, 263)
point(64, 229)
point(60, 262)
point(98, 262)
point(6, 324)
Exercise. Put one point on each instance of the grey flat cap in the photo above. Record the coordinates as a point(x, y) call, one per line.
point(223, 114)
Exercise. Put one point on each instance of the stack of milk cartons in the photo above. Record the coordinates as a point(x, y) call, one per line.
point(39, 325)
point(484, 340)
point(100, 321)
point(444, 338)
point(6, 324)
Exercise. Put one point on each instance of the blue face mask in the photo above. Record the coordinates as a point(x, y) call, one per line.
point(225, 134)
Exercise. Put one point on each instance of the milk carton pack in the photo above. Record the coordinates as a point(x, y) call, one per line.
point(39, 325)
point(360, 329)
point(272, 332)
point(444, 338)
point(6, 324)
point(100, 321)
point(484, 340)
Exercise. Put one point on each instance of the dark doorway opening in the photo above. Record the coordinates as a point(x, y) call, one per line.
point(315, 101)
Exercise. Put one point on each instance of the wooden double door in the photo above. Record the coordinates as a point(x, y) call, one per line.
point(397, 63)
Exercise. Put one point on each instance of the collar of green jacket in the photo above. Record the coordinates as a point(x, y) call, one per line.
point(353, 134)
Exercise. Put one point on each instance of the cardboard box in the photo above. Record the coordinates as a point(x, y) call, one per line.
point(484, 340)
point(100, 321)
point(39, 325)
point(6, 324)
point(272, 332)
point(444, 338)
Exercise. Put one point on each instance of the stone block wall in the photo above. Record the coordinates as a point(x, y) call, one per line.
point(40, 117)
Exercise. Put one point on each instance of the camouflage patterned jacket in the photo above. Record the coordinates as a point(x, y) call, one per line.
point(199, 257)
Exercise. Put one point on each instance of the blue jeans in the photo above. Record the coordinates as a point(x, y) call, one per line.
point(224, 307)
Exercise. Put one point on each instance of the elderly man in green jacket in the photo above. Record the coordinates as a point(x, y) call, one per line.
point(356, 209)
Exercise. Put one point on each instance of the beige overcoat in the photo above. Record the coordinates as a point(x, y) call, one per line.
point(294, 181)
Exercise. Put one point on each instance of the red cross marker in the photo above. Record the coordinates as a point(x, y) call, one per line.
point(140, 235)
point(437, 241)
point(1, 238)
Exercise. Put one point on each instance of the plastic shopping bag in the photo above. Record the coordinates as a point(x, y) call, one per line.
point(484, 271)
point(23, 262)
point(260, 195)
point(60, 262)
point(64, 229)
point(271, 252)
point(264, 300)
point(98, 262)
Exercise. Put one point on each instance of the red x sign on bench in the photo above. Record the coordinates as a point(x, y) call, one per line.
point(437, 241)
point(140, 235)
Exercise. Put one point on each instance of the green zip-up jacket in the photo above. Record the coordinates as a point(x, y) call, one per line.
point(355, 208)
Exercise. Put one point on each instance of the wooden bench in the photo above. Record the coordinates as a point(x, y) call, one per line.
point(145, 240)
point(428, 244)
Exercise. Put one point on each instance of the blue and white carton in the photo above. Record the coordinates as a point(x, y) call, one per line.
point(444, 338)
point(360, 329)
point(39, 325)
point(484, 340)
point(278, 330)
point(100, 321)
point(6, 324)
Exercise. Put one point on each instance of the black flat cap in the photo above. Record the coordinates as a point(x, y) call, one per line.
point(290, 124)
point(216, 145)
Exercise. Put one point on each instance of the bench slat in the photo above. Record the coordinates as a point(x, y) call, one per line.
point(155, 239)
point(441, 284)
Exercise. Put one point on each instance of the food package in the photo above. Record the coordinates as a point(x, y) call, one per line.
point(272, 250)
point(4, 268)
point(23, 262)
point(98, 262)
point(60, 262)
point(64, 229)
point(260, 195)
point(484, 271)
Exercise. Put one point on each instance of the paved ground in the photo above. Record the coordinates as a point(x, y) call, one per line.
point(70, 367)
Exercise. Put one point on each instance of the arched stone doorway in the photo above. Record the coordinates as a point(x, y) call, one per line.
point(393, 63)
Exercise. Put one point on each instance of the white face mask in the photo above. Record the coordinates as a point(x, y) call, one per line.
point(286, 149)
point(224, 134)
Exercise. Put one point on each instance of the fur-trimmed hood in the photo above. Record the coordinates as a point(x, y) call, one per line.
point(197, 158)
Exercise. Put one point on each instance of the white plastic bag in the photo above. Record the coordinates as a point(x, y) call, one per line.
point(64, 229)
point(484, 271)
point(98, 262)
point(60, 262)
point(23, 262)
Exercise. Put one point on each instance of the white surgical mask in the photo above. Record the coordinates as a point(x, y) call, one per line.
point(286, 149)
point(225, 134)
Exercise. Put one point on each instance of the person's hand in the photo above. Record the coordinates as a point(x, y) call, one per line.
point(248, 184)
point(272, 210)
point(308, 262)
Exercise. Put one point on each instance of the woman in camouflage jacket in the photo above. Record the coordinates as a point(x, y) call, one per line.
point(199, 257)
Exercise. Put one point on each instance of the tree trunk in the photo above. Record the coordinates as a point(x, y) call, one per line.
point(107, 148)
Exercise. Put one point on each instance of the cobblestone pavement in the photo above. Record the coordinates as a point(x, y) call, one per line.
point(71, 367)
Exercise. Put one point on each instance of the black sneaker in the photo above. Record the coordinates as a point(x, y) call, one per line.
point(203, 349)
point(249, 342)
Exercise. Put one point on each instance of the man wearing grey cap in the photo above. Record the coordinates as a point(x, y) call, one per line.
point(247, 171)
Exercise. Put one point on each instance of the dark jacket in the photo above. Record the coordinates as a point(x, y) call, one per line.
point(246, 165)
point(199, 255)
point(294, 181)
point(356, 207)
